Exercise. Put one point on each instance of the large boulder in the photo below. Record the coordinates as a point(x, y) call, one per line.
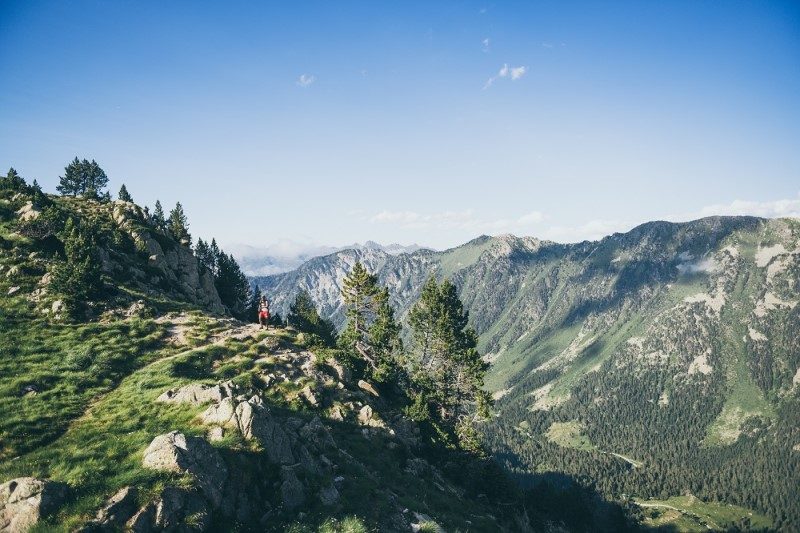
point(254, 421)
point(199, 393)
point(26, 500)
point(175, 452)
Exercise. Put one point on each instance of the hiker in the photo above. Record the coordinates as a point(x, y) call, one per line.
point(263, 312)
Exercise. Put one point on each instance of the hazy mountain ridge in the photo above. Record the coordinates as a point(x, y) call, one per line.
point(287, 256)
point(684, 330)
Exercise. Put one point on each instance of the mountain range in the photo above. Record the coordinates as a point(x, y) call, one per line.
point(652, 364)
point(285, 256)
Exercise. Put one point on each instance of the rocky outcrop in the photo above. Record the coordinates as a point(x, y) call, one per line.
point(254, 421)
point(292, 492)
point(177, 264)
point(174, 510)
point(175, 452)
point(26, 500)
point(199, 393)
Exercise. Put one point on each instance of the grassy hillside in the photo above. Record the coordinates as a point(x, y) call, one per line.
point(117, 414)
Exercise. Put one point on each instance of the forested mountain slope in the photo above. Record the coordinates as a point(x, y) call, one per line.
point(676, 346)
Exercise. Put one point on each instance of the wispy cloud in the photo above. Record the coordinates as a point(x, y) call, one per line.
point(460, 220)
point(786, 207)
point(305, 80)
point(485, 44)
point(512, 73)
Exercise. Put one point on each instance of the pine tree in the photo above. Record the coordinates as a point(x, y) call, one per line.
point(178, 226)
point(12, 181)
point(77, 278)
point(124, 195)
point(158, 217)
point(371, 330)
point(253, 302)
point(232, 285)
point(447, 363)
point(84, 178)
point(214, 253)
point(384, 338)
point(303, 316)
point(203, 254)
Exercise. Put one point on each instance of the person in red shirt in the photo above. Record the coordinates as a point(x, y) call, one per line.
point(263, 312)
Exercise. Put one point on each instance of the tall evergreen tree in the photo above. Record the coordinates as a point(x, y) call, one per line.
point(203, 254)
point(371, 331)
point(446, 361)
point(303, 316)
point(158, 217)
point(214, 252)
point(232, 285)
point(83, 177)
point(178, 226)
point(124, 195)
point(12, 181)
point(253, 302)
point(77, 279)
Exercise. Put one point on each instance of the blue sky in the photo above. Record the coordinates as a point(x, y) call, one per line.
point(428, 122)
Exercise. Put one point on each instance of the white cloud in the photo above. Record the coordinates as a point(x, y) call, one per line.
point(518, 72)
point(306, 79)
point(485, 44)
point(787, 207)
point(514, 73)
point(459, 220)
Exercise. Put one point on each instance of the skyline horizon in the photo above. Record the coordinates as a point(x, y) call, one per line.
point(428, 123)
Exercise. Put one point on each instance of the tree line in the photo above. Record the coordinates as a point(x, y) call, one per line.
point(439, 374)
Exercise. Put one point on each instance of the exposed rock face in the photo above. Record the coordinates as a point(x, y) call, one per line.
point(292, 491)
point(198, 393)
point(174, 510)
point(28, 212)
point(26, 500)
point(177, 263)
point(175, 452)
point(253, 421)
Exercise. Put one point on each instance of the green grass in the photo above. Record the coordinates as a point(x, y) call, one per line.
point(687, 513)
point(569, 435)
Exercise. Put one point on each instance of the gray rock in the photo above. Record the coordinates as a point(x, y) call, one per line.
point(221, 414)
point(316, 435)
point(363, 385)
point(255, 422)
point(342, 372)
point(328, 495)
point(13, 290)
point(309, 396)
point(175, 510)
point(216, 434)
point(292, 492)
point(175, 452)
point(199, 393)
point(367, 417)
point(26, 500)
